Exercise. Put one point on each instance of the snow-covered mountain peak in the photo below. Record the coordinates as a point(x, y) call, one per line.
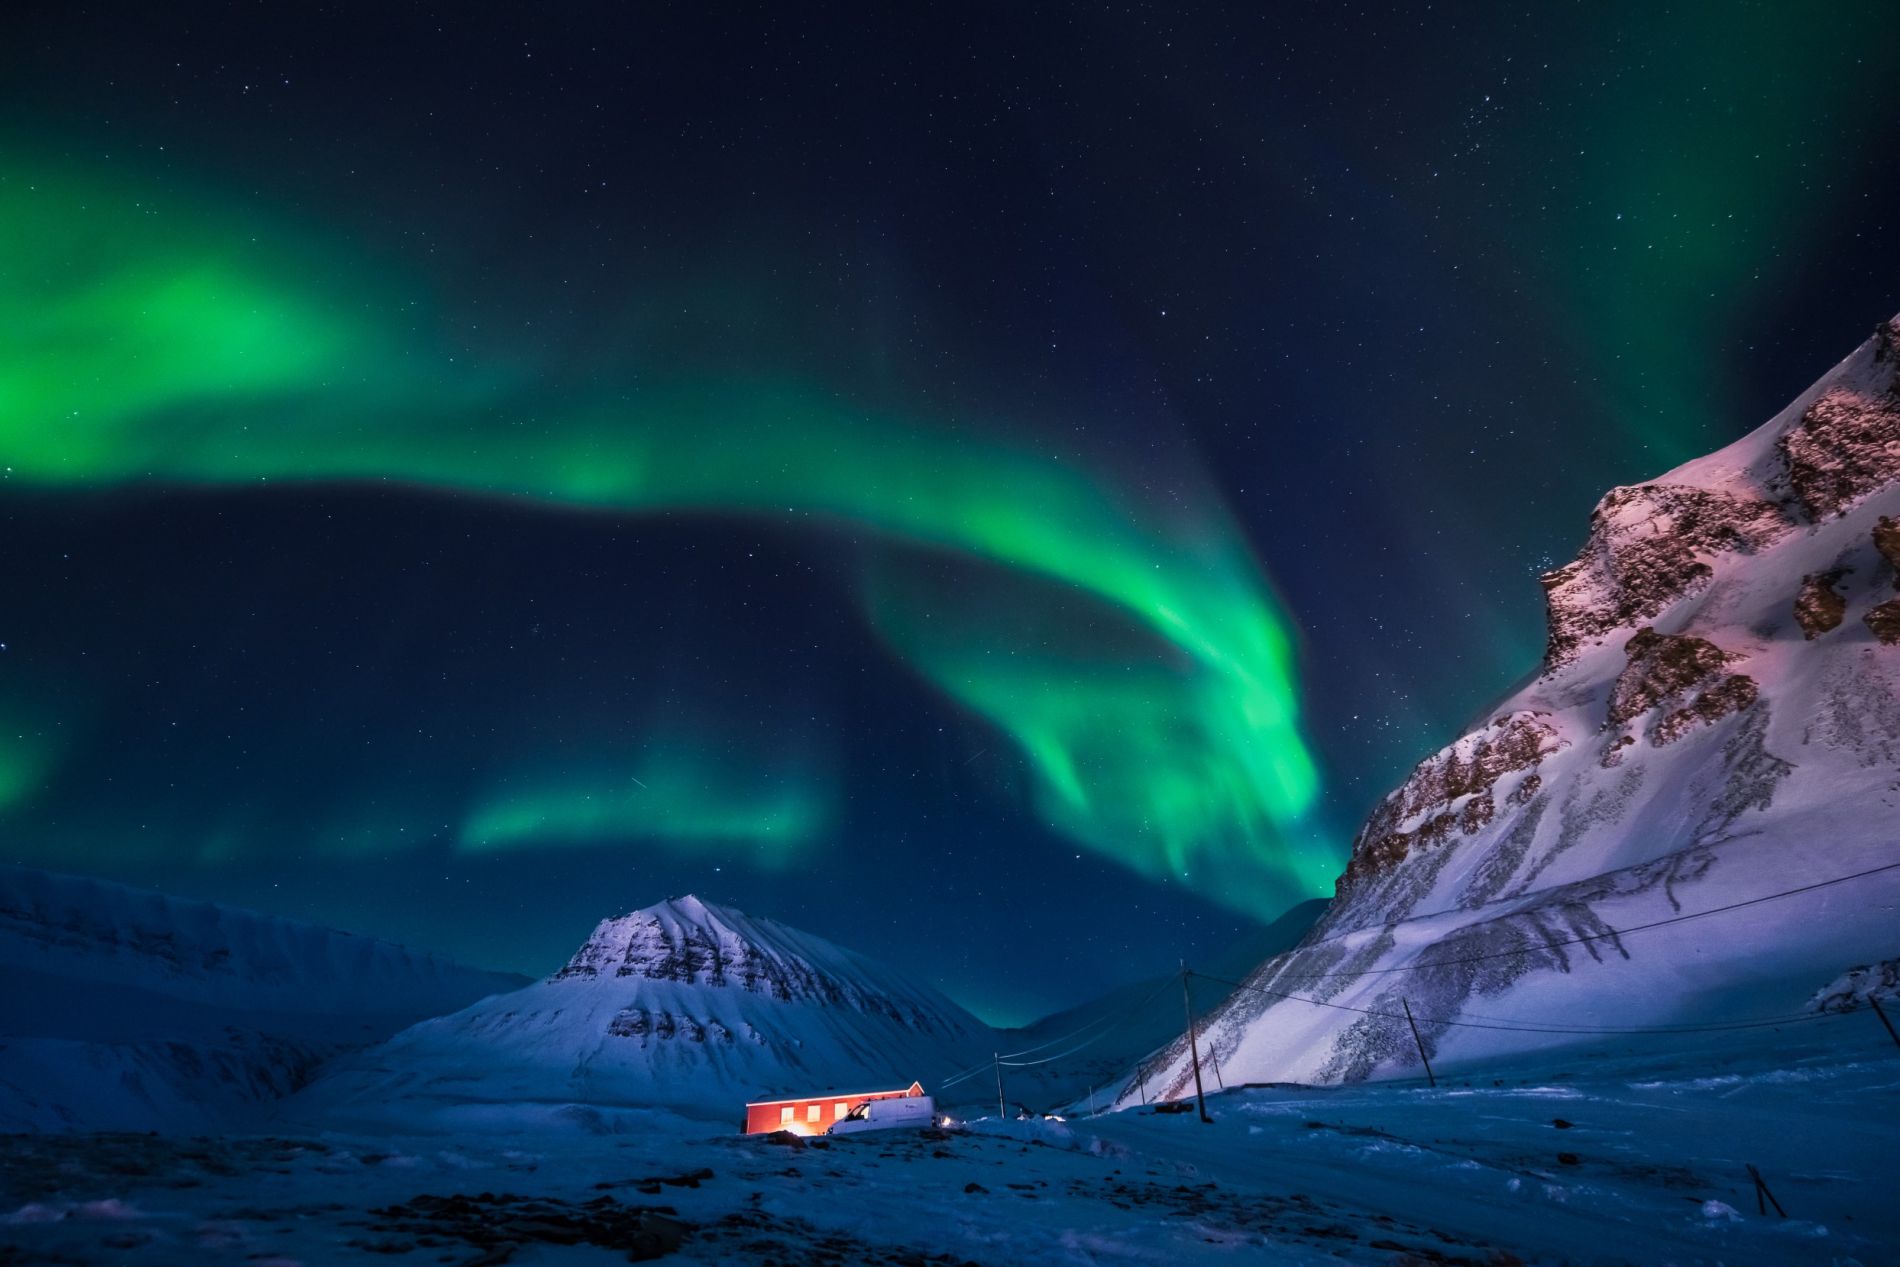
point(1653, 545)
point(692, 942)
point(683, 1003)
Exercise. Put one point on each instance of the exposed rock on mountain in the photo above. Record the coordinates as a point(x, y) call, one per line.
point(1717, 721)
point(682, 1005)
point(1887, 542)
point(1848, 440)
point(1819, 607)
point(1884, 621)
point(1649, 547)
point(1454, 790)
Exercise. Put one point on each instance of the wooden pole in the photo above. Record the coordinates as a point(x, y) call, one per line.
point(998, 1061)
point(1141, 1076)
point(1761, 1190)
point(1882, 1014)
point(1187, 1004)
point(1419, 1041)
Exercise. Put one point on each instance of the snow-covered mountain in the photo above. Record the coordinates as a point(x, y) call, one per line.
point(682, 1005)
point(1717, 720)
point(129, 1010)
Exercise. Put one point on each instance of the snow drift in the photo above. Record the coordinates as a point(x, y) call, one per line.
point(1717, 720)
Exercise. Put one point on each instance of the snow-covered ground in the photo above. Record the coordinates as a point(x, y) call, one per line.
point(1602, 1157)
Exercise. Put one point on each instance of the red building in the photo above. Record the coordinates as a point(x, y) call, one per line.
point(810, 1115)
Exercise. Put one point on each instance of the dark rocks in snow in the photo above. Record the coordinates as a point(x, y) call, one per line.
point(1469, 768)
point(1819, 607)
point(1887, 541)
point(1884, 620)
point(1674, 669)
point(1662, 667)
point(1846, 446)
point(662, 947)
point(640, 1023)
point(1729, 696)
point(1650, 545)
point(1643, 554)
point(504, 1224)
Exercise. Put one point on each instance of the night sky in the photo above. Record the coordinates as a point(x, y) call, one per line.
point(1005, 490)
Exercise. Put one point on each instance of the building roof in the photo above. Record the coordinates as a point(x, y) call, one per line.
point(917, 1087)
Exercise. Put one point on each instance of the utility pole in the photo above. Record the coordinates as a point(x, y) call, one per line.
point(1419, 1042)
point(1881, 1013)
point(998, 1061)
point(1194, 1050)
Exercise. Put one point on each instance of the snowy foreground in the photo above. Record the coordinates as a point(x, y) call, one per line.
point(1650, 1168)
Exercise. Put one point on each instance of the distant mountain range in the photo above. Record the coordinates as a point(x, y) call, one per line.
point(128, 1010)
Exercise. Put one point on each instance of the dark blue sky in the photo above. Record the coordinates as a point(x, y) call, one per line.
point(1398, 293)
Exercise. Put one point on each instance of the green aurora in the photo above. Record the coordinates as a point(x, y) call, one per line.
point(1139, 662)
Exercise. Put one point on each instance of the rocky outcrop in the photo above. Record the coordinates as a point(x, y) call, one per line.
point(1729, 696)
point(1653, 545)
point(1819, 608)
point(685, 941)
point(1887, 542)
point(1847, 443)
point(1846, 446)
point(1648, 548)
point(1666, 669)
point(1662, 667)
point(1884, 620)
point(1451, 791)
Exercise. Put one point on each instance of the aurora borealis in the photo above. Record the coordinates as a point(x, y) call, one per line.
point(461, 472)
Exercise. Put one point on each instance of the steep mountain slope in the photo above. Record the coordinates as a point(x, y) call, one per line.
point(129, 1010)
point(1717, 720)
point(682, 1005)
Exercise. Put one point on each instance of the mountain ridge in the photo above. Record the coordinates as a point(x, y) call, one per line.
point(1705, 723)
point(128, 1009)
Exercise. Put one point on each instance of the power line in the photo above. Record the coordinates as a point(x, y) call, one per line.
point(1107, 1025)
point(1589, 937)
point(1522, 1028)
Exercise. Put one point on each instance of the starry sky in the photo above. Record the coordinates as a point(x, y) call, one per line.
point(1006, 490)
